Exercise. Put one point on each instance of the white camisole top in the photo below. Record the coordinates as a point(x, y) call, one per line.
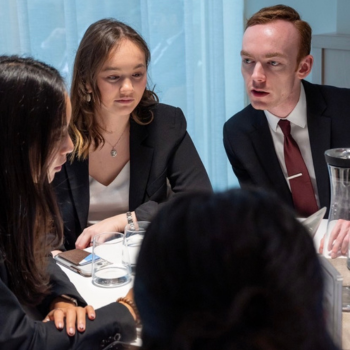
point(107, 201)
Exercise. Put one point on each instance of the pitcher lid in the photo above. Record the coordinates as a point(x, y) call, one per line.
point(339, 157)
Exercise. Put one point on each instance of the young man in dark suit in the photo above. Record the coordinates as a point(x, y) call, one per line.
point(275, 61)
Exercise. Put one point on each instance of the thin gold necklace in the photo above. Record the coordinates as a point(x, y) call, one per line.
point(113, 150)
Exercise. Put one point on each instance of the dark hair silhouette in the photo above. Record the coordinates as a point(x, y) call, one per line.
point(232, 270)
point(33, 114)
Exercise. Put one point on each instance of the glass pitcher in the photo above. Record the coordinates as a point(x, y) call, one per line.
point(338, 162)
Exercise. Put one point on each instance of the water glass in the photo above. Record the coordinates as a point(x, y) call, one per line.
point(108, 269)
point(133, 237)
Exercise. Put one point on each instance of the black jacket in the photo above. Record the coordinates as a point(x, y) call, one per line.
point(250, 150)
point(159, 151)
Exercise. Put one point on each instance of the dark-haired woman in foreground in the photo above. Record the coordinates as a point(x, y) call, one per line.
point(34, 115)
point(231, 271)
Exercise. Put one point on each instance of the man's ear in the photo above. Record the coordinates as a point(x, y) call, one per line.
point(305, 66)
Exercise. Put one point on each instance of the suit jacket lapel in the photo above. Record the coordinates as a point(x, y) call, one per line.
point(265, 150)
point(141, 157)
point(319, 126)
point(78, 178)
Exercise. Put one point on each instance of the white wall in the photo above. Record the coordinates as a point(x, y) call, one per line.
point(320, 14)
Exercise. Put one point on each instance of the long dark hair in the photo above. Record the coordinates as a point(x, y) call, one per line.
point(232, 270)
point(32, 117)
point(99, 39)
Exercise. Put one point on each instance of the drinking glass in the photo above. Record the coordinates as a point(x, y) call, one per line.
point(108, 269)
point(133, 237)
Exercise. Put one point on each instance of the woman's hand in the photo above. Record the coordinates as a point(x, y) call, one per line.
point(113, 224)
point(75, 315)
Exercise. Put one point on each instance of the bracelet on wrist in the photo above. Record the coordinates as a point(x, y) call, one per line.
point(69, 299)
point(133, 306)
point(130, 220)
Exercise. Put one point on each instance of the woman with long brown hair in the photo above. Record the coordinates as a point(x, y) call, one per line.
point(131, 152)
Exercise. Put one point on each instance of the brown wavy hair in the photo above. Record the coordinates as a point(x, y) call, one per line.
point(99, 39)
point(285, 13)
point(33, 114)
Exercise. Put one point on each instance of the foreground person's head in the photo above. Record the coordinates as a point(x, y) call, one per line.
point(233, 270)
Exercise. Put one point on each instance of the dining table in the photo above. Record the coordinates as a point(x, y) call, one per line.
point(99, 296)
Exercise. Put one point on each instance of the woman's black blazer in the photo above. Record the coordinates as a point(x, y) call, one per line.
point(159, 151)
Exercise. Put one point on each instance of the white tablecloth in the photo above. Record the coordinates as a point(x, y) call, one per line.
point(320, 233)
point(98, 296)
point(93, 295)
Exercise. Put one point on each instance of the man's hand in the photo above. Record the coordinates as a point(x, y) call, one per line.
point(338, 243)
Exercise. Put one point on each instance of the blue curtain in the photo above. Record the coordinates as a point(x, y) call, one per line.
point(194, 45)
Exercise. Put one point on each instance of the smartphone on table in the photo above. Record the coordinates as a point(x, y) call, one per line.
point(79, 261)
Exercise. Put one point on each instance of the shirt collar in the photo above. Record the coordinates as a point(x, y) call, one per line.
point(297, 116)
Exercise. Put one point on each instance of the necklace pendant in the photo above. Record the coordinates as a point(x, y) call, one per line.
point(113, 153)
